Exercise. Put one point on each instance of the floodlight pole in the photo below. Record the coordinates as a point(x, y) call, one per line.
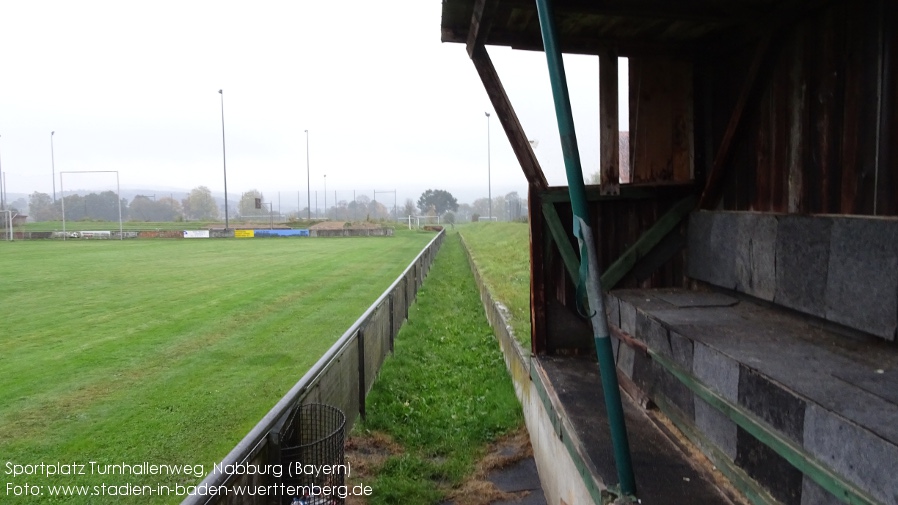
point(8, 210)
point(325, 197)
point(489, 183)
point(62, 190)
point(118, 193)
point(308, 180)
point(2, 188)
point(7, 221)
point(53, 167)
point(224, 160)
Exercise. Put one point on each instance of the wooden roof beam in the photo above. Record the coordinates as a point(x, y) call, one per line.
point(596, 45)
point(663, 10)
point(481, 22)
point(509, 119)
point(609, 125)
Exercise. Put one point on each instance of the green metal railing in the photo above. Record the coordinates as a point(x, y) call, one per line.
point(588, 274)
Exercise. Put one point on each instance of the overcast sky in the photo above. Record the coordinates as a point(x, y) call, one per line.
point(133, 87)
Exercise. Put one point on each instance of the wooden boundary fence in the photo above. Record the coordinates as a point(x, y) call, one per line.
point(342, 378)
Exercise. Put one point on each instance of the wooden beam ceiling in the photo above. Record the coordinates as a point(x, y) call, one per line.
point(631, 27)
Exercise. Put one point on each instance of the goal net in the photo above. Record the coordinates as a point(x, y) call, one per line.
point(91, 196)
point(419, 221)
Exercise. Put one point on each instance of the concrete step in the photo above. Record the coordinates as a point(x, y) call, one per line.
point(793, 410)
point(667, 470)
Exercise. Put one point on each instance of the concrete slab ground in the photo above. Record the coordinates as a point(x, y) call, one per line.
point(508, 475)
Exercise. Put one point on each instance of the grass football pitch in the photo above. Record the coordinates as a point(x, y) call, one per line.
point(164, 352)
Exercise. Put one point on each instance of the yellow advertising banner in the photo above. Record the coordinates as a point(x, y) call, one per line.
point(244, 233)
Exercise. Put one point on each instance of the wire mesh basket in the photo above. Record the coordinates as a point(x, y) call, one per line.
point(312, 453)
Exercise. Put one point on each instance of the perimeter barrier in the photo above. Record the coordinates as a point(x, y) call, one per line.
point(342, 378)
point(214, 233)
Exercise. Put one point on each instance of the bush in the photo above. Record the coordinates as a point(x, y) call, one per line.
point(475, 217)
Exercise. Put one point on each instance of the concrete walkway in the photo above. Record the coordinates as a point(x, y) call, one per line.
point(517, 478)
point(506, 475)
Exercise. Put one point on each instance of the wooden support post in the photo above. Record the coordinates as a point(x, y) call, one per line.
point(510, 123)
point(274, 444)
point(481, 22)
point(609, 135)
point(537, 274)
point(712, 191)
point(392, 320)
point(362, 389)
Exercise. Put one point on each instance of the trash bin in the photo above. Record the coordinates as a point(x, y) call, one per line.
point(312, 454)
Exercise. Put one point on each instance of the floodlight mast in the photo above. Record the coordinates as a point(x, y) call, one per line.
point(489, 181)
point(224, 159)
point(2, 188)
point(308, 181)
point(7, 219)
point(53, 167)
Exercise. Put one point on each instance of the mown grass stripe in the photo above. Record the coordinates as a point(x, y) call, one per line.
point(169, 351)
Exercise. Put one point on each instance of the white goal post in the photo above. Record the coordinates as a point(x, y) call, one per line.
point(8, 216)
point(419, 220)
point(118, 194)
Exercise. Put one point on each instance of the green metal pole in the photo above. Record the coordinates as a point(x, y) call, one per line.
point(589, 269)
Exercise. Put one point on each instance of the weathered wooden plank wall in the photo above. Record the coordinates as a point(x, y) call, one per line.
point(887, 195)
point(817, 137)
point(661, 119)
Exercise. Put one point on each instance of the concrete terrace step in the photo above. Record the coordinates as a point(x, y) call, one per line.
point(563, 406)
point(806, 412)
point(666, 471)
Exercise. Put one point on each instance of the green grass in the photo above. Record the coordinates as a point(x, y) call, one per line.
point(167, 351)
point(501, 252)
point(445, 394)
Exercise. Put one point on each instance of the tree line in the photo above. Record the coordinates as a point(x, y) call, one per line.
point(509, 207)
point(200, 205)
